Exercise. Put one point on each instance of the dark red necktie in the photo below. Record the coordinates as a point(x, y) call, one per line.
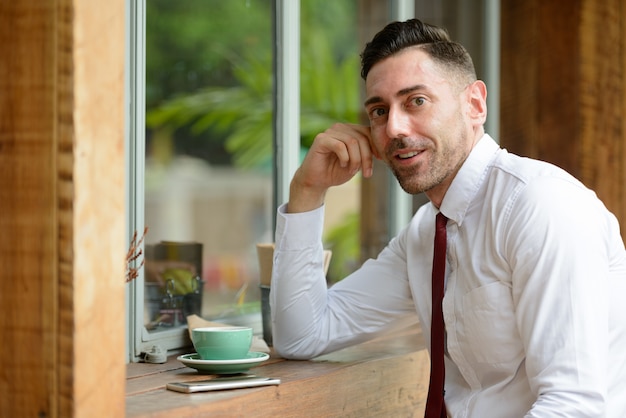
point(435, 405)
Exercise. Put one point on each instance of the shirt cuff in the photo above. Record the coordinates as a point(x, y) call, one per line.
point(296, 231)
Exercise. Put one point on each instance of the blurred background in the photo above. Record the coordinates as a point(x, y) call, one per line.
point(209, 157)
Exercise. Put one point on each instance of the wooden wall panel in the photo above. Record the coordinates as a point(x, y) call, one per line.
point(603, 102)
point(563, 89)
point(99, 213)
point(62, 208)
point(29, 383)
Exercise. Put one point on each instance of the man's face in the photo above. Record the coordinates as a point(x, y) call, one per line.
point(420, 121)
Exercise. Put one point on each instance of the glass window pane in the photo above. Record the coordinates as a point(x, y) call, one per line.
point(330, 92)
point(208, 179)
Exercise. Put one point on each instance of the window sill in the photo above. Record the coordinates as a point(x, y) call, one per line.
point(384, 377)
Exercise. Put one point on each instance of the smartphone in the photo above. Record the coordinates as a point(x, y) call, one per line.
point(221, 383)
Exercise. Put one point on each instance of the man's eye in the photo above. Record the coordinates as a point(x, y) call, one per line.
point(377, 112)
point(418, 101)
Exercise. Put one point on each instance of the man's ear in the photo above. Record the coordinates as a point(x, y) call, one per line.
point(477, 97)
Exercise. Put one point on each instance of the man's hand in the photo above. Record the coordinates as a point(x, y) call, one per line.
point(334, 158)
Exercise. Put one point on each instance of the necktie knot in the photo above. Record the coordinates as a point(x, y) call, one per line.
point(440, 221)
point(439, 255)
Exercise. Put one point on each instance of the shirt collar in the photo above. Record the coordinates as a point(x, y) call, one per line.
point(468, 180)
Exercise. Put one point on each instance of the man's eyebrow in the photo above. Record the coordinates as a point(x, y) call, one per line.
point(400, 93)
point(372, 100)
point(411, 89)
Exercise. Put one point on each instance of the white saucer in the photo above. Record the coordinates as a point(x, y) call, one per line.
point(242, 365)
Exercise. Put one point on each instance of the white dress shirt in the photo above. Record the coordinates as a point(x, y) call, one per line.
point(535, 300)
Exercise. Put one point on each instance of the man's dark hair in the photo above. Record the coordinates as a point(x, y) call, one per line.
point(433, 40)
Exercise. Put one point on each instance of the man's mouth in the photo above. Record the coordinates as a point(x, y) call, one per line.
point(407, 155)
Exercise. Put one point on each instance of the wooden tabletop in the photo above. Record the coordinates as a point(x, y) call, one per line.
point(384, 377)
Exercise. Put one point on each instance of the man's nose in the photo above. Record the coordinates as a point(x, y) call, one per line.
point(398, 123)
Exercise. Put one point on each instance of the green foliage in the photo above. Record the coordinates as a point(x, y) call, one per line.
point(329, 88)
point(190, 44)
point(235, 103)
point(243, 113)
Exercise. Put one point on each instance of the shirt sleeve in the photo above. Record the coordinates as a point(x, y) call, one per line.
point(308, 318)
point(560, 264)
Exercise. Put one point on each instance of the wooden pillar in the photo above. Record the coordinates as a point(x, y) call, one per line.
point(563, 89)
point(62, 210)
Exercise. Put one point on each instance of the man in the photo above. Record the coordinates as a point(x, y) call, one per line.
point(535, 269)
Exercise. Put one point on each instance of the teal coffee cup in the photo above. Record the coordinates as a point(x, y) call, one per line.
point(222, 343)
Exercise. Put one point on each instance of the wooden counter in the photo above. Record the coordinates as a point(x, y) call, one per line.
point(385, 377)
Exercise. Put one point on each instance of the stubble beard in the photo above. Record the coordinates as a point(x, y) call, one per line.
point(441, 163)
point(413, 181)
